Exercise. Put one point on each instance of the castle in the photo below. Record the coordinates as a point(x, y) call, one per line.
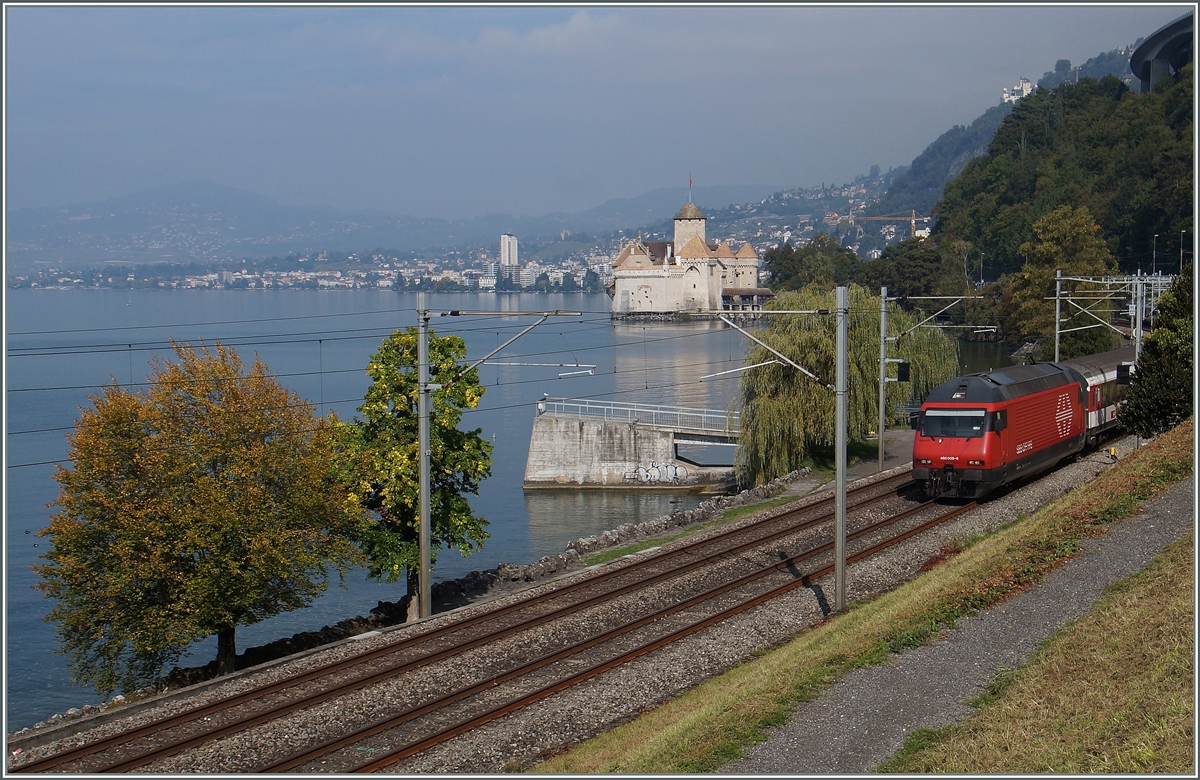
point(687, 274)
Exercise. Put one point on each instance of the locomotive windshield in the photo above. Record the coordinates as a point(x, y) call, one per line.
point(960, 423)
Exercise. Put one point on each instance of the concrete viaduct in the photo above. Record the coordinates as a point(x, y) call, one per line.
point(1166, 51)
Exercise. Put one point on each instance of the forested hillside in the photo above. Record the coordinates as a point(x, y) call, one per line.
point(920, 187)
point(1127, 157)
point(1079, 178)
point(1110, 63)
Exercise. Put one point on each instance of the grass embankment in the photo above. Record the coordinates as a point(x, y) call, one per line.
point(1112, 693)
point(714, 722)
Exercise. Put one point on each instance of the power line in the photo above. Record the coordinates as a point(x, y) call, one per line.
point(204, 324)
point(476, 410)
point(600, 323)
point(217, 322)
point(353, 370)
point(243, 340)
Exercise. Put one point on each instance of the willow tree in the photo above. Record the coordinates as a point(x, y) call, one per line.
point(208, 501)
point(787, 416)
point(385, 463)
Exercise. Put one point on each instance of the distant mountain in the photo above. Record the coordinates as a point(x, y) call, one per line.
point(921, 186)
point(203, 221)
point(662, 204)
point(1111, 63)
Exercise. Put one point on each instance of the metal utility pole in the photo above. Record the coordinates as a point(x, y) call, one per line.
point(839, 542)
point(1139, 298)
point(883, 361)
point(1057, 310)
point(424, 388)
point(424, 543)
point(1154, 256)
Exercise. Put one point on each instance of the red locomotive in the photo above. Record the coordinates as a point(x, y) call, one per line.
point(979, 432)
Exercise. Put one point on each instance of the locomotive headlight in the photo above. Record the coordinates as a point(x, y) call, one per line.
point(924, 461)
point(974, 463)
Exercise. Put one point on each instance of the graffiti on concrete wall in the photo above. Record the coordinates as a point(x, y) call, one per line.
point(657, 473)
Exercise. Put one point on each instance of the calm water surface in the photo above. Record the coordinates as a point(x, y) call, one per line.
point(64, 344)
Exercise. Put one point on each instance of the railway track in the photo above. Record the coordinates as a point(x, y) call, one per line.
point(524, 680)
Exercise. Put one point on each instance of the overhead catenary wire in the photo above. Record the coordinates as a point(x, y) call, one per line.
point(477, 410)
point(363, 369)
point(239, 340)
point(601, 322)
point(401, 310)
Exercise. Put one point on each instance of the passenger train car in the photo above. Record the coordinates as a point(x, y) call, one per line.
point(979, 432)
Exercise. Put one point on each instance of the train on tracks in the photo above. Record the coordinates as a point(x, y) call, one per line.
point(979, 432)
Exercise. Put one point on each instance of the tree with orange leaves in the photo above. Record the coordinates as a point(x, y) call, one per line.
point(211, 499)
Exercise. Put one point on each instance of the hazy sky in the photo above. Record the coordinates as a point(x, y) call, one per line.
point(457, 112)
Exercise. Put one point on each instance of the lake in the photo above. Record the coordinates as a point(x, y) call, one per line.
point(64, 344)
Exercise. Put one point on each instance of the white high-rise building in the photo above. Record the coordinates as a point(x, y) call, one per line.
point(508, 251)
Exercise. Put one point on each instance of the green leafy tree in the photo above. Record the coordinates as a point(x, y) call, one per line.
point(384, 456)
point(824, 261)
point(209, 501)
point(1066, 239)
point(542, 284)
point(1160, 391)
point(787, 417)
point(917, 267)
point(591, 281)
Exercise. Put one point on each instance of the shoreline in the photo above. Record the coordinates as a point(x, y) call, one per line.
point(473, 588)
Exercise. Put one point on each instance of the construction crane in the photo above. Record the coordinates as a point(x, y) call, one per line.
point(912, 219)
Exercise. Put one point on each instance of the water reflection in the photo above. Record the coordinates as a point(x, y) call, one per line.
point(558, 517)
point(663, 362)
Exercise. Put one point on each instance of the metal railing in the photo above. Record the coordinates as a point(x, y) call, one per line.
point(677, 418)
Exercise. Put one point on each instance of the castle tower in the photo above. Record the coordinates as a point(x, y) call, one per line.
point(689, 223)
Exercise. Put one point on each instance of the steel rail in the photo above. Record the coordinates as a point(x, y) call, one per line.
point(390, 722)
point(379, 675)
point(242, 723)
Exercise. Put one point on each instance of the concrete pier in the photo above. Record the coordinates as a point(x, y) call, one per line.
point(596, 444)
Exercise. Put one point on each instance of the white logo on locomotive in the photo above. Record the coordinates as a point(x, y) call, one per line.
point(1062, 415)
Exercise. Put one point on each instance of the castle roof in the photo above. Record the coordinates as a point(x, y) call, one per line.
point(690, 212)
point(724, 252)
point(632, 257)
point(641, 254)
point(695, 247)
point(747, 252)
point(657, 249)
